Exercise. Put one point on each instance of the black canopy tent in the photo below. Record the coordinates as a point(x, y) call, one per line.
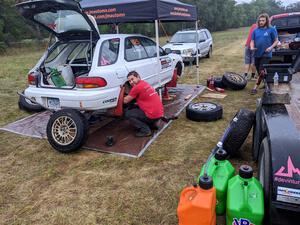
point(133, 11)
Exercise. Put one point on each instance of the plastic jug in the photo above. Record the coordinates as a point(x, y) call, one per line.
point(276, 79)
point(57, 78)
point(221, 171)
point(245, 200)
point(197, 204)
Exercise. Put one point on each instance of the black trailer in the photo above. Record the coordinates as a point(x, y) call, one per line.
point(276, 146)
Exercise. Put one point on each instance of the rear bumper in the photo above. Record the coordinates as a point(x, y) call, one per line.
point(76, 98)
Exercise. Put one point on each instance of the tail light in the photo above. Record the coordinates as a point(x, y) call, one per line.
point(90, 82)
point(31, 79)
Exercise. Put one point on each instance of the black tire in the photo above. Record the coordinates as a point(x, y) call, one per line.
point(209, 54)
point(218, 82)
point(264, 175)
point(240, 127)
point(179, 69)
point(75, 120)
point(234, 81)
point(28, 106)
point(257, 135)
point(204, 111)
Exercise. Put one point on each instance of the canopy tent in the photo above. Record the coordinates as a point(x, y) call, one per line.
point(126, 11)
point(133, 11)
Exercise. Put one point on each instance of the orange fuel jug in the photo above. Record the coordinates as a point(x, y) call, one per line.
point(197, 205)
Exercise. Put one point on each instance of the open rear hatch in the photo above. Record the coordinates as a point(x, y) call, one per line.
point(64, 18)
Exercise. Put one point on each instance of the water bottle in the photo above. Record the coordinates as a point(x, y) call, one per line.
point(276, 79)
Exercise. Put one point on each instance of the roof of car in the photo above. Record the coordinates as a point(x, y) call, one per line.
point(191, 30)
point(119, 35)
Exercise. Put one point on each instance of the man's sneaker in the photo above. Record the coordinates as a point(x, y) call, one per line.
point(143, 134)
point(253, 92)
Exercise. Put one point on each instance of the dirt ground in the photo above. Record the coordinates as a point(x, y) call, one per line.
point(41, 186)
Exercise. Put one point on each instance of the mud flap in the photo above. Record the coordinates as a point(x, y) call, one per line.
point(118, 111)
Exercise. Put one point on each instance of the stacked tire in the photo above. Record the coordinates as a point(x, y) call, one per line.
point(230, 80)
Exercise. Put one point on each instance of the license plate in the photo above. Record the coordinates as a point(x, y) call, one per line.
point(53, 102)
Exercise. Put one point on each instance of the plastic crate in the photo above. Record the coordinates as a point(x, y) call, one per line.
point(283, 73)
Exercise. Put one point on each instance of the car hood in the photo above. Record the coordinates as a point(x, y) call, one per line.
point(180, 46)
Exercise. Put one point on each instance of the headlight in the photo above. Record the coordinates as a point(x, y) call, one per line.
point(188, 51)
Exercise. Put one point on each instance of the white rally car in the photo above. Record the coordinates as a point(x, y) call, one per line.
point(83, 71)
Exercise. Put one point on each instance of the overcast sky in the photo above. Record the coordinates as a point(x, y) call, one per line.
point(285, 2)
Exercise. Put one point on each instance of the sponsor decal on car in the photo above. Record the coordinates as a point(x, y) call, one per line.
point(241, 221)
point(110, 100)
point(165, 63)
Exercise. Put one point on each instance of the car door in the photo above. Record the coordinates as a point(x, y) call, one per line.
point(137, 59)
point(165, 66)
point(65, 19)
point(203, 43)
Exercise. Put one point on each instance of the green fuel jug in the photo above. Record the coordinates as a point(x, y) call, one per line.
point(245, 200)
point(57, 78)
point(221, 171)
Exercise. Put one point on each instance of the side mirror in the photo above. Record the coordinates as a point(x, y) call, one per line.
point(168, 51)
point(202, 40)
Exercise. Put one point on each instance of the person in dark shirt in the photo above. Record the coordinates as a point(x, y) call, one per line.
point(150, 108)
point(264, 39)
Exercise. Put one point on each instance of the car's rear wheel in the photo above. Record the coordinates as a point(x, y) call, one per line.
point(29, 106)
point(209, 54)
point(67, 130)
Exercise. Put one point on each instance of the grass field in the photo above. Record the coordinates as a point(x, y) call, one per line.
point(40, 186)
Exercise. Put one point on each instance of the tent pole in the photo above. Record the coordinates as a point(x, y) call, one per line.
point(197, 55)
point(157, 57)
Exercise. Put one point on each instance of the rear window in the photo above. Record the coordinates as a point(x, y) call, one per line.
point(109, 52)
point(62, 20)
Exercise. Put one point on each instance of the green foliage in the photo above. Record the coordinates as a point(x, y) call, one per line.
point(216, 15)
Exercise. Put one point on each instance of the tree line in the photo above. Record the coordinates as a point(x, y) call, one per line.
point(216, 15)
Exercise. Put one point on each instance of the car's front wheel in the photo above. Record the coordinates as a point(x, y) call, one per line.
point(67, 130)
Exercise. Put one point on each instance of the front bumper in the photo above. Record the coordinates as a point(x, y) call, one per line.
point(80, 99)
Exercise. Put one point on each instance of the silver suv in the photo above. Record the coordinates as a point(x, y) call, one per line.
point(184, 44)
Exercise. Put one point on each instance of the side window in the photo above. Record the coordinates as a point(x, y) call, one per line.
point(55, 52)
point(202, 36)
point(79, 53)
point(207, 35)
point(150, 46)
point(134, 49)
point(109, 52)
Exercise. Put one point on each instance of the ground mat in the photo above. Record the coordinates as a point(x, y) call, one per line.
point(125, 143)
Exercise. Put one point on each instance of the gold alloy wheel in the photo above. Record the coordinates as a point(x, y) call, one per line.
point(64, 130)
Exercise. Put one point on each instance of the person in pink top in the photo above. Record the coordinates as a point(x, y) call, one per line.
point(249, 54)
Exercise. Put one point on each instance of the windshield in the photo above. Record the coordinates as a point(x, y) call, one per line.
point(184, 37)
point(63, 20)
